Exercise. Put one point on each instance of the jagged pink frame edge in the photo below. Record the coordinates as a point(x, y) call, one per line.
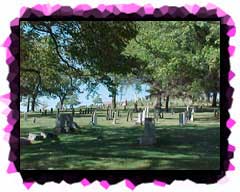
point(47, 10)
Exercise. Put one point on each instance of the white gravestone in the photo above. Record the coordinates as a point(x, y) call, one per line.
point(143, 115)
point(94, 118)
point(114, 118)
point(139, 119)
point(147, 112)
point(192, 115)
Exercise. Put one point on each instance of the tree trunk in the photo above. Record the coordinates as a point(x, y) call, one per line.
point(208, 97)
point(114, 100)
point(28, 103)
point(214, 101)
point(61, 104)
point(158, 102)
point(33, 103)
point(167, 103)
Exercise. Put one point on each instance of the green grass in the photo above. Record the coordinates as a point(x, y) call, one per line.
point(192, 147)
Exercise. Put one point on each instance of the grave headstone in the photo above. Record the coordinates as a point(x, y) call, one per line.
point(185, 117)
point(139, 119)
point(156, 115)
point(113, 113)
point(64, 123)
point(94, 118)
point(192, 116)
point(25, 116)
point(189, 114)
point(35, 137)
point(110, 114)
point(107, 115)
point(143, 115)
point(128, 115)
point(114, 118)
point(147, 112)
point(182, 119)
point(149, 136)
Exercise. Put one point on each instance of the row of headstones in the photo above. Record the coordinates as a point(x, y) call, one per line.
point(81, 111)
point(142, 115)
point(111, 114)
point(188, 115)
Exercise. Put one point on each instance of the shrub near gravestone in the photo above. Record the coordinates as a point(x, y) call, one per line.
point(24, 141)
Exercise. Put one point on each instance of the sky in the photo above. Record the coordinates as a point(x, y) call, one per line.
point(129, 93)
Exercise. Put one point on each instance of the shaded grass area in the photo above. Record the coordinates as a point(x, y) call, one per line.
point(192, 147)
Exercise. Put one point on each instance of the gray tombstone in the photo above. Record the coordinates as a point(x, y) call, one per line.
point(189, 113)
point(25, 116)
point(64, 123)
point(185, 117)
point(110, 114)
point(182, 119)
point(128, 115)
point(149, 136)
point(131, 115)
point(107, 115)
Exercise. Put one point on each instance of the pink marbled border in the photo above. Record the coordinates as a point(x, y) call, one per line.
point(47, 10)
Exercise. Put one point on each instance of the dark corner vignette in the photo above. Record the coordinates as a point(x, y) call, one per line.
point(114, 176)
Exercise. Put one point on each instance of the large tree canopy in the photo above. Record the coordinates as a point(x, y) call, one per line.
point(174, 57)
point(180, 56)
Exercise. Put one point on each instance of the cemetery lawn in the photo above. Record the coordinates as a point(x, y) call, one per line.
point(195, 146)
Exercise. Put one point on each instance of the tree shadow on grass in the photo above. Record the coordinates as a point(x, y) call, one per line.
point(179, 147)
